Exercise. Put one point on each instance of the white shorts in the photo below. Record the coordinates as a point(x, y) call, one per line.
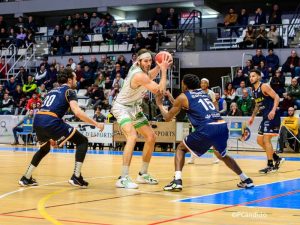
point(129, 114)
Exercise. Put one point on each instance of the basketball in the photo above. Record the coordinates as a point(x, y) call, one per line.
point(159, 56)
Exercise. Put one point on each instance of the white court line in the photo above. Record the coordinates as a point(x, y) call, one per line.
point(58, 182)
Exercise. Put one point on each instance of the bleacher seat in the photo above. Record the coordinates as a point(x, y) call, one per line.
point(130, 47)
point(85, 49)
point(22, 51)
point(95, 48)
point(97, 37)
point(114, 48)
point(123, 48)
point(89, 112)
point(143, 24)
point(104, 48)
point(83, 102)
point(81, 92)
point(76, 49)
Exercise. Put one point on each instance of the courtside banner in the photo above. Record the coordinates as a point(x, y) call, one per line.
point(7, 123)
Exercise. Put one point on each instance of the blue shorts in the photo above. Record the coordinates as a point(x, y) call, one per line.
point(50, 127)
point(270, 127)
point(200, 141)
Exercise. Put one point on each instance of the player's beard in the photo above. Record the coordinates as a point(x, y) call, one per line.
point(145, 69)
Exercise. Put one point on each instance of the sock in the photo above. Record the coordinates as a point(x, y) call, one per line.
point(270, 163)
point(144, 168)
point(29, 171)
point(77, 169)
point(243, 176)
point(275, 157)
point(125, 171)
point(178, 175)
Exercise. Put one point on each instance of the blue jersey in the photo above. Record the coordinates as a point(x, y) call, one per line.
point(201, 109)
point(57, 100)
point(265, 103)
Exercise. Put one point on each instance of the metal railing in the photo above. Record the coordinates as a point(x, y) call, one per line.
point(10, 57)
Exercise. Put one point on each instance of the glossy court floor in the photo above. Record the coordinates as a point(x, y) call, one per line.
point(210, 195)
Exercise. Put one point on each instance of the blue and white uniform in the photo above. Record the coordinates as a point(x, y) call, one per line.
point(210, 128)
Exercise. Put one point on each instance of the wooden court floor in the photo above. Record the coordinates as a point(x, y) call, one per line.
point(54, 201)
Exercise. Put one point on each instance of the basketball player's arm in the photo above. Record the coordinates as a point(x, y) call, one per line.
point(142, 79)
point(177, 106)
point(72, 99)
point(154, 72)
point(255, 111)
point(267, 90)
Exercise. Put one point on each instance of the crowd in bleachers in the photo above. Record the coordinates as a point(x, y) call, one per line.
point(237, 94)
point(261, 33)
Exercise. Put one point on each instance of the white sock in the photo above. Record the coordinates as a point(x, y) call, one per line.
point(178, 175)
point(77, 169)
point(29, 171)
point(243, 176)
point(125, 171)
point(144, 168)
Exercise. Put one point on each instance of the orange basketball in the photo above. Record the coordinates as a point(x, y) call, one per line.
point(159, 56)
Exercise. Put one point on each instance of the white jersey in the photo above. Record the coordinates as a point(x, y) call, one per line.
point(128, 95)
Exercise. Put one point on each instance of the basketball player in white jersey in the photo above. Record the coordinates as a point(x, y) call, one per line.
point(130, 117)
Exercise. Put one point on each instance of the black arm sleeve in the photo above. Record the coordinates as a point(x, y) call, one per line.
point(71, 95)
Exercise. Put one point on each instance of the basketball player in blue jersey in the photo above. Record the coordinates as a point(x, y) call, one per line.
point(266, 103)
point(50, 127)
point(210, 130)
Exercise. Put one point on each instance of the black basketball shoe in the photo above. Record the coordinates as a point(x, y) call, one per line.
point(78, 181)
point(248, 183)
point(24, 182)
point(175, 185)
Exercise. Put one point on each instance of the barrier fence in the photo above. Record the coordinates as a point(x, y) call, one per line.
point(166, 132)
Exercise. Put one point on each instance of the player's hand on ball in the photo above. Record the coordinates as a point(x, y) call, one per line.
point(164, 60)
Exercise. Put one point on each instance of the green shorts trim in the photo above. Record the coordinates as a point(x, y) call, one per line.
point(125, 121)
point(140, 124)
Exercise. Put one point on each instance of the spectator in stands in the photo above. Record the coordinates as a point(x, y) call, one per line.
point(56, 46)
point(249, 66)
point(117, 69)
point(72, 63)
point(230, 21)
point(82, 62)
point(3, 38)
point(234, 111)
point(277, 83)
point(157, 27)
point(51, 77)
point(78, 35)
point(150, 42)
point(20, 23)
point(173, 16)
point(88, 76)
point(122, 33)
point(249, 37)
point(58, 32)
point(132, 32)
point(77, 20)
point(31, 25)
point(285, 104)
point(68, 31)
point(118, 80)
point(19, 99)
point(229, 94)
point(239, 77)
point(93, 64)
point(2, 91)
point(294, 91)
point(34, 99)
point(85, 22)
point(221, 104)
point(113, 93)
point(41, 90)
point(273, 37)
point(122, 61)
point(139, 41)
point(4, 67)
point(265, 72)
point(40, 76)
point(289, 124)
point(12, 37)
point(67, 44)
point(245, 103)
point(275, 15)
point(10, 85)
point(291, 62)
point(260, 17)
point(29, 87)
point(21, 77)
point(100, 80)
point(6, 105)
point(45, 63)
point(158, 16)
point(67, 21)
point(96, 96)
point(94, 21)
point(3, 23)
point(149, 107)
point(17, 128)
point(30, 39)
point(261, 39)
point(132, 60)
point(258, 57)
point(242, 19)
point(99, 117)
point(239, 90)
point(272, 61)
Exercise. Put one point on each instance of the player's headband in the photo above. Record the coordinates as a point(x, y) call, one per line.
point(204, 79)
point(145, 55)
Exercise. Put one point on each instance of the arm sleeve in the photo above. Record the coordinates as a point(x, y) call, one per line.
point(71, 95)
